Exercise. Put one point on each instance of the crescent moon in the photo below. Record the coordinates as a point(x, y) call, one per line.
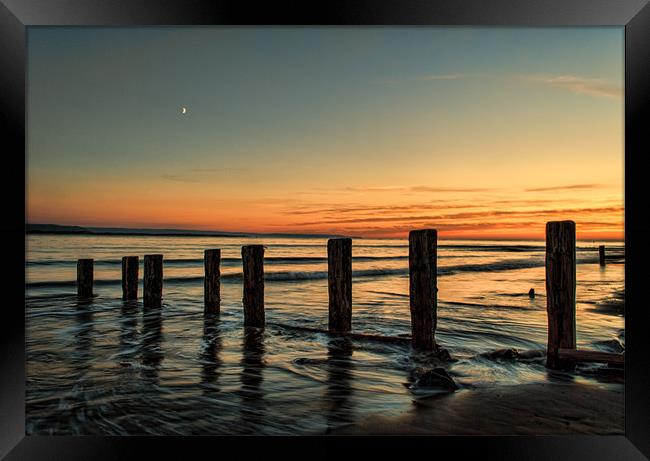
point(183, 110)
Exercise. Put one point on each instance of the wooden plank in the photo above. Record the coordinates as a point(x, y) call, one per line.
point(560, 290)
point(575, 355)
point(339, 277)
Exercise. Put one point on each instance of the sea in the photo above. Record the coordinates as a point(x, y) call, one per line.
point(110, 367)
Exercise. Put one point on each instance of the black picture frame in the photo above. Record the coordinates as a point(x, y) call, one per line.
point(16, 15)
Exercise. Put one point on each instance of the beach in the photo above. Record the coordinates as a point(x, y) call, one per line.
point(107, 366)
point(529, 409)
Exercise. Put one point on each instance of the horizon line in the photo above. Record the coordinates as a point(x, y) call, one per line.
point(71, 229)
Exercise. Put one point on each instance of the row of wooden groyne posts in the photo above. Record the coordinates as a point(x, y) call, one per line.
point(561, 350)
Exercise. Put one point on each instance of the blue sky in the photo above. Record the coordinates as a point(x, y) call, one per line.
point(279, 114)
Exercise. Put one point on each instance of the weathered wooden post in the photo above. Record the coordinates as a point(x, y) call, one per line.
point(601, 254)
point(212, 282)
point(253, 300)
point(339, 276)
point(423, 287)
point(153, 280)
point(130, 268)
point(560, 290)
point(85, 278)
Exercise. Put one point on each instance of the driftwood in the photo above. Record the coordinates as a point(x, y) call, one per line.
point(339, 278)
point(575, 355)
point(560, 290)
point(212, 282)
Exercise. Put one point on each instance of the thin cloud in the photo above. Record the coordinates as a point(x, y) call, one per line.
point(415, 189)
point(200, 175)
point(569, 187)
point(445, 217)
point(218, 170)
point(576, 84)
point(422, 78)
point(433, 77)
point(358, 211)
point(187, 178)
point(372, 209)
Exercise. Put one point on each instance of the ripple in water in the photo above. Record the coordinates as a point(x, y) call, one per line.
point(109, 367)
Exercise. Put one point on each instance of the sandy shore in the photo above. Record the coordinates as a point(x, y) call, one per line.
point(543, 409)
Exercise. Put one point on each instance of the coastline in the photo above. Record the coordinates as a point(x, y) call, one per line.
point(527, 409)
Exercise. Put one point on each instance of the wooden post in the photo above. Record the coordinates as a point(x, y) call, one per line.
point(560, 290)
point(130, 268)
point(339, 275)
point(85, 278)
point(253, 261)
point(153, 280)
point(211, 282)
point(601, 254)
point(423, 287)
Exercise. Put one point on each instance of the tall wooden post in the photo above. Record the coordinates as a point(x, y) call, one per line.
point(423, 287)
point(130, 268)
point(560, 290)
point(153, 280)
point(601, 254)
point(212, 282)
point(85, 278)
point(253, 300)
point(339, 276)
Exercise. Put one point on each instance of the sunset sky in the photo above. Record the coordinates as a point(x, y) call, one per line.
point(477, 132)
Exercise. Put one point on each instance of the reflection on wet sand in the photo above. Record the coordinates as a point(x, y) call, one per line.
point(210, 355)
point(339, 377)
point(128, 335)
point(152, 354)
point(82, 359)
point(252, 402)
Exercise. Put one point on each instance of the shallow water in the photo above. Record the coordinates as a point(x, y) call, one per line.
point(107, 367)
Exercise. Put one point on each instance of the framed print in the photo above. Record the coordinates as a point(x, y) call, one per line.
point(324, 226)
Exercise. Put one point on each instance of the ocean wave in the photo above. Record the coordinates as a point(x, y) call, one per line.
point(270, 260)
point(319, 275)
point(612, 253)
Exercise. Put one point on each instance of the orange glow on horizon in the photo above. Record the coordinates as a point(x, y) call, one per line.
point(389, 212)
point(371, 132)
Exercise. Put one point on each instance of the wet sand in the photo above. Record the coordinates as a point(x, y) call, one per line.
point(527, 409)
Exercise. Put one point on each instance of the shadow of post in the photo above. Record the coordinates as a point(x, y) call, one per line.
point(210, 354)
point(152, 354)
point(252, 406)
point(82, 361)
point(83, 341)
point(339, 378)
point(128, 335)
